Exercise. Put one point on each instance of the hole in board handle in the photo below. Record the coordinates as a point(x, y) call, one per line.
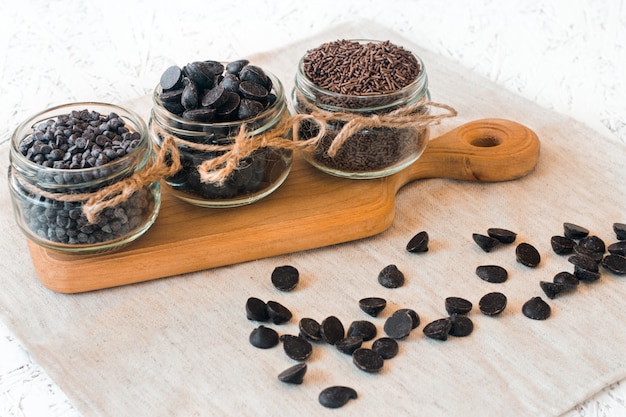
point(486, 141)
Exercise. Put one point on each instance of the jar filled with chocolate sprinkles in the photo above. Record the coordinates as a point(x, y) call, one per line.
point(201, 140)
point(63, 159)
point(367, 93)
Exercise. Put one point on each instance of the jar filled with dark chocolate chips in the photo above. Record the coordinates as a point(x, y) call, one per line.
point(368, 94)
point(63, 158)
point(205, 106)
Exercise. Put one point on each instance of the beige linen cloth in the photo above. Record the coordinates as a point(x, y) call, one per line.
point(179, 346)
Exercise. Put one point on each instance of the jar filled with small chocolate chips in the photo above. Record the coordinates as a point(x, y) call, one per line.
point(223, 118)
point(73, 178)
point(372, 98)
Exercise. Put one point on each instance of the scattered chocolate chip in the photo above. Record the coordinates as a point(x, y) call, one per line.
point(592, 244)
point(565, 277)
point(256, 309)
point(294, 374)
point(562, 245)
point(285, 277)
point(332, 330)
point(364, 329)
point(264, 337)
point(336, 396)
point(486, 243)
point(438, 329)
point(492, 273)
point(585, 274)
point(418, 243)
point(620, 230)
point(414, 316)
point(584, 262)
point(310, 329)
point(391, 277)
point(367, 360)
point(398, 325)
point(502, 235)
point(349, 344)
point(296, 347)
point(278, 313)
point(618, 248)
point(461, 325)
point(552, 289)
point(536, 308)
point(385, 347)
point(527, 255)
point(492, 304)
point(574, 231)
point(615, 263)
point(457, 305)
point(372, 305)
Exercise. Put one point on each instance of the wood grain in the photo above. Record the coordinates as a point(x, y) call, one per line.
point(310, 210)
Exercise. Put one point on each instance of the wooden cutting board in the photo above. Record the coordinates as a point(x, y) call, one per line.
point(310, 209)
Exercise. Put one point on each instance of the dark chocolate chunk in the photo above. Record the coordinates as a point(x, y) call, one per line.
point(503, 235)
point(486, 243)
point(252, 73)
point(214, 97)
point(285, 277)
point(253, 91)
point(574, 231)
point(249, 109)
point(593, 244)
point(398, 325)
point(492, 273)
point(278, 313)
point(256, 309)
point(583, 251)
point(264, 337)
point(414, 316)
point(461, 325)
point(565, 277)
point(364, 329)
point(584, 262)
point(367, 360)
point(349, 344)
point(618, 248)
point(171, 78)
point(620, 230)
point(189, 98)
point(372, 305)
point(562, 245)
point(438, 329)
point(332, 330)
point(230, 105)
point(552, 289)
point(418, 243)
point(615, 263)
point(492, 304)
point(234, 67)
point(336, 396)
point(527, 255)
point(391, 277)
point(457, 305)
point(200, 115)
point(294, 374)
point(296, 347)
point(310, 329)
point(585, 274)
point(385, 347)
point(536, 308)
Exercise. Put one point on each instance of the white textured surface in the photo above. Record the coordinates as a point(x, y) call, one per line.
point(568, 56)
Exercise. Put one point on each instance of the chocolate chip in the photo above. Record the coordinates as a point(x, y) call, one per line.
point(200, 115)
point(253, 91)
point(536, 308)
point(364, 329)
point(593, 244)
point(278, 313)
point(527, 255)
point(589, 253)
point(336, 396)
point(386, 347)
point(418, 243)
point(230, 105)
point(349, 344)
point(391, 277)
point(492, 273)
point(249, 109)
point(586, 275)
point(171, 77)
point(263, 337)
point(492, 304)
point(415, 318)
point(372, 305)
point(574, 231)
point(461, 325)
point(294, 374)
point(234, 67)
point(486, 243)
point(457, 305)
point(332, 330)
point(296, 347)
point(438, 329)
point(565, 277)
point(254, 74)
point(562, 245)
point(189, 97)
point(310, 329)
point(367, 360)
point(584, 262)
point(285, 277)
point(552, 289)
point(398, 325)
point(502, 235)
point(214, 97)
point(615, 263)
point(256, 309)
point(620, 230)
point(618, 248)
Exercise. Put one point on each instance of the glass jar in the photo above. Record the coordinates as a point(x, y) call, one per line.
point(61, 157)
point(256, 176)
point(369, 152)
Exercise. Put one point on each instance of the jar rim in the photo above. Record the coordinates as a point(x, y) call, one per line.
point(303, 80)
point(31, 122)
point(277, 88)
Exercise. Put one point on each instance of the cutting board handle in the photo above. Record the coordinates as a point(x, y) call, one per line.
point(486, 150)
